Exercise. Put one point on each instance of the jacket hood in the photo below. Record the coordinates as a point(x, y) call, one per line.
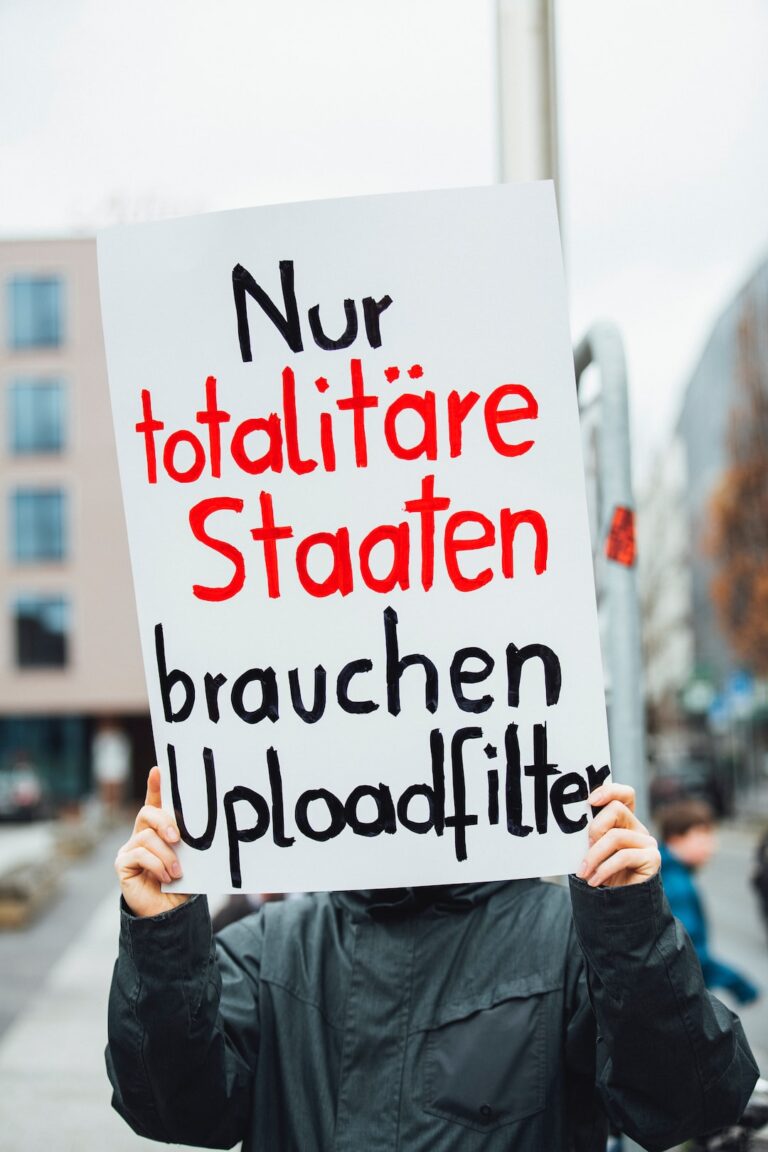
point(395, 903)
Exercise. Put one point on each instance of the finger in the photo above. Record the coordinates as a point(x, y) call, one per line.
point(642, 861)
point(153, 798)
point(150, 839)
point(607, 792)
point(136, 860)
point(614, 815)
point(614, 841)
point(157, 818)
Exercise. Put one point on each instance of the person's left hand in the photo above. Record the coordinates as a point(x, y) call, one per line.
point(622, 850)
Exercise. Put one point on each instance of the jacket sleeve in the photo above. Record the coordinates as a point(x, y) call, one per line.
point(671, 1060)
point(184, 1026)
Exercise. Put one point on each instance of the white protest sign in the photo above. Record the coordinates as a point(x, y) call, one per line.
point(349, 448)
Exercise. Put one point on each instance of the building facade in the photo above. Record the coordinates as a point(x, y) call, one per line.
point(713, 392)
point(69, 649)
point(665, 588)
point(687, 653)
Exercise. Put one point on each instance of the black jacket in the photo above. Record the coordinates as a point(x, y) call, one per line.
point(488, 1017)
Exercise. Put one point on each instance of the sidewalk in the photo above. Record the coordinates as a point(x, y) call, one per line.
point(25, 843)
point(54, 1092)
point(29, 951)
point(737, 933)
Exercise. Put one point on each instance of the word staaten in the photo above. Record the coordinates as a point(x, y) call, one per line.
point(393, 539)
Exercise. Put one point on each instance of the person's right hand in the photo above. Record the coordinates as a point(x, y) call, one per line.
point(147, 860)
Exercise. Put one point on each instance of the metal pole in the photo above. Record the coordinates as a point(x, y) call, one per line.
point(526, 99)
point(603, 347)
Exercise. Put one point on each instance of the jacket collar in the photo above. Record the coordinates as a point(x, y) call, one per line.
point(399, 903)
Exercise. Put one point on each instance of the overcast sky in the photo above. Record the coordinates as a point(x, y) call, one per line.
point(163, 107)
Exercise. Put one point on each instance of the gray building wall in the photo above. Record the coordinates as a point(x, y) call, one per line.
point(703, 429)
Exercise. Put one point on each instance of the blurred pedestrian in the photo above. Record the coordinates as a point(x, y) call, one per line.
point(241, 904)
point(111, 758)
point(688, 841)
point(760, 876)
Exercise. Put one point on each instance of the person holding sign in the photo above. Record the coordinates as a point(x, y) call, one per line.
point(497, 1015)
point(350, 453)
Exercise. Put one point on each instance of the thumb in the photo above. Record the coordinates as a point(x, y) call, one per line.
point(153, 789)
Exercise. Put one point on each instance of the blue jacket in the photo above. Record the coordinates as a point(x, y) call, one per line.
point(686, 905)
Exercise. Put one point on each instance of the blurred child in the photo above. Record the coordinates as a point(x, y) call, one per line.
point(687, 834)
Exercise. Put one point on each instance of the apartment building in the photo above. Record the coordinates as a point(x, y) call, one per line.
point(664, 578)
point(687, 653)
point(69, 648)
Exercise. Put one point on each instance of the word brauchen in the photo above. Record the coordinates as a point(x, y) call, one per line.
point(371, 810)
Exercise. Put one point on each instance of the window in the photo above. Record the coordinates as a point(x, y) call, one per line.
point(35, 311)
point(38, 524)
point(36, 421)
point(42, 630)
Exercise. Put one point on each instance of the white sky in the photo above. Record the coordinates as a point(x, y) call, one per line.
point(664, 117)
point(161, 107)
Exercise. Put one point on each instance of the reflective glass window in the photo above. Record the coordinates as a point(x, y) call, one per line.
point(42, 630)
point(35, 311)
point(36, 416)
point(38, 524)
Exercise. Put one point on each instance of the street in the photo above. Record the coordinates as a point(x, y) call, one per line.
point(27, 956)
point(54, 1093)
point(738, 935)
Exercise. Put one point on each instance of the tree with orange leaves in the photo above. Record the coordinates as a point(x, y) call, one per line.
point(739, 508)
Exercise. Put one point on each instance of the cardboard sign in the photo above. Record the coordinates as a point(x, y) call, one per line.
point(349, 447)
